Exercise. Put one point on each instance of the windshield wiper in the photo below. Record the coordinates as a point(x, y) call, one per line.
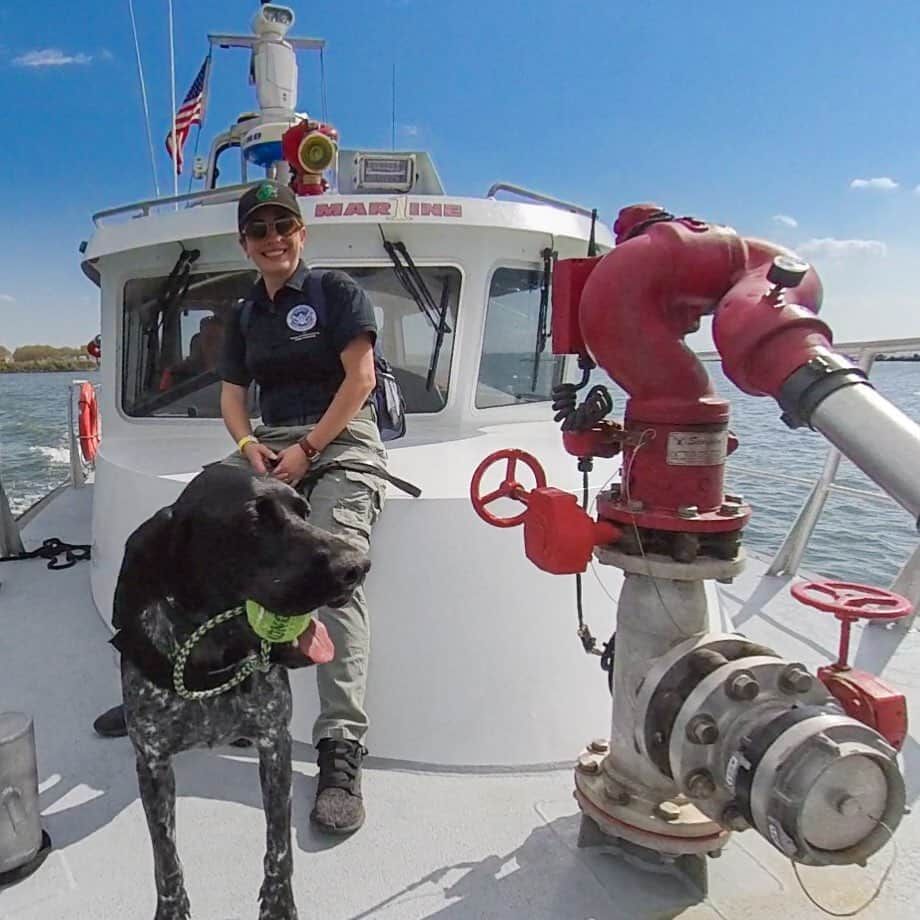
point(549, 256)
point(171, 293)
point(413, 282)
point(442, 328)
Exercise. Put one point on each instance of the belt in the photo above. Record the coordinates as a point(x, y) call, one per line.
point(296, 421)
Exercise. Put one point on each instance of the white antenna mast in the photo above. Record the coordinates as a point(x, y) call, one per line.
point(140, 74)
point(274, 72)
point(172, 75)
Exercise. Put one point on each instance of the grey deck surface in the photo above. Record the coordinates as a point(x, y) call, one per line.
point(436, 844)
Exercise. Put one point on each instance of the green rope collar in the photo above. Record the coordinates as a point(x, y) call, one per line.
point(253, 663)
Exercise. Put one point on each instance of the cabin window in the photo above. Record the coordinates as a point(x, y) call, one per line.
point(517, 364)
point(173, 341)
point(416, 317)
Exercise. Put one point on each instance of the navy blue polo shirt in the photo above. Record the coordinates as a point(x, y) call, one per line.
point(293, 356)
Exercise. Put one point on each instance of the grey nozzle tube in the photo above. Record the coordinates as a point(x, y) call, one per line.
point(880, 439)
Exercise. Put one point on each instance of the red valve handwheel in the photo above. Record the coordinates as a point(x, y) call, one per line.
point(850, 602)
point(509, 488)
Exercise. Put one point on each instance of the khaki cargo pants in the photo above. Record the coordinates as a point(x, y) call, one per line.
point(346, 504)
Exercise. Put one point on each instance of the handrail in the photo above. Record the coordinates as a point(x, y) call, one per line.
point(228, 192)
point(875, 347)
point(233, 191)
point(10, 540)
point(879, 346)
point(802, 481)
point(537, 196)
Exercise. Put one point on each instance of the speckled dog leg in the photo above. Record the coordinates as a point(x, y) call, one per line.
point(158, 793)
point(276, 895)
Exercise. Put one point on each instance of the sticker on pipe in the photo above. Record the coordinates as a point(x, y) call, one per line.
point(697, 448)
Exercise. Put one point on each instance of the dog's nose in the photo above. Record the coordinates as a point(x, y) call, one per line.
point(356, 572)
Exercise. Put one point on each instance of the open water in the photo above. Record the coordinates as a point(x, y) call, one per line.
point(861, 539)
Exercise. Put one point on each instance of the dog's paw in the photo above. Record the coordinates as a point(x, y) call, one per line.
point(277, 901)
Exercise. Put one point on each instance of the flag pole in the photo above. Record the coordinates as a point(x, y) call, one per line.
point(172, 72)
point(204, 107)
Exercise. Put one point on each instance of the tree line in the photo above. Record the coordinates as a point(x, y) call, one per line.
point(44, 358)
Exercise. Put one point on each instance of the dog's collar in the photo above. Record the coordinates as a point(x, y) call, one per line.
point(159, 669)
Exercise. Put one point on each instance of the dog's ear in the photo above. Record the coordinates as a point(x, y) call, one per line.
point(145, 568)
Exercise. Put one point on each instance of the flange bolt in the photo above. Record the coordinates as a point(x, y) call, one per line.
point(742, 687)
point(702, 729)
point(700, 784)
point(669, 811)
point(795, 679)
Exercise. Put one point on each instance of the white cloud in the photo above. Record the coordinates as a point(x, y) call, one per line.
point(7, 298)
point(881, 184)
point(785, 220)
point(410, 130)
point(917, 190)
point(841, 249)
point(50, 57)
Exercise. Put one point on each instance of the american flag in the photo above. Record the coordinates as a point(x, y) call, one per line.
point(189, 113)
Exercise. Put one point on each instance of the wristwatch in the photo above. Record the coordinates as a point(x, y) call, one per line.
point(305, 445)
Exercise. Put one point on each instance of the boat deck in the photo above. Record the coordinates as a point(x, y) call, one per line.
point(437, 843)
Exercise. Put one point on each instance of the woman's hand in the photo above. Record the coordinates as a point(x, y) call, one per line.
point(292, 465)
point(259, 456)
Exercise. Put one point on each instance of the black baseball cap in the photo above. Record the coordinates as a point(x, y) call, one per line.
point(267, 192)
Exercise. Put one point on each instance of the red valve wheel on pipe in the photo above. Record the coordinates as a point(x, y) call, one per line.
point(862, 695)
point(852, 601)
point(849, 602)
point(509, 488)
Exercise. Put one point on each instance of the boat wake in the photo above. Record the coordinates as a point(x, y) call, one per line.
point(54, 454)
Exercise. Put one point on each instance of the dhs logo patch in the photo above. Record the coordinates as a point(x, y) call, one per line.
point(301, 318)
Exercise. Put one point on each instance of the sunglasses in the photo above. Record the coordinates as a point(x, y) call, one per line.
point(283, 226)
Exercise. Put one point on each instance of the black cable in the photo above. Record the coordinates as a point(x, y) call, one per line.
point(588, 642)
point(607, 660)
point(51, 549)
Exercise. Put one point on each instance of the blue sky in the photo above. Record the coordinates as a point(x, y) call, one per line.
point(794, 121)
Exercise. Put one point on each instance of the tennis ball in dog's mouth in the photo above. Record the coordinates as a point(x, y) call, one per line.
point(273, 628)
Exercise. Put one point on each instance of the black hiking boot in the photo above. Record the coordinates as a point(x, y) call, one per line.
point(111, 724)
point(339, 807)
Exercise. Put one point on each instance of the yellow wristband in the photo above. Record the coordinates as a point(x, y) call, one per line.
point(248, 439)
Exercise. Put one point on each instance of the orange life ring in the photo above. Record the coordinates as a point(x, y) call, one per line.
point(88, 422)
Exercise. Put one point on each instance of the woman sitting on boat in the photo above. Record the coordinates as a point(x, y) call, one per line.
point(307, 339)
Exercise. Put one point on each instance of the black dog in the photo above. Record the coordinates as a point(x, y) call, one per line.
point(230, 536)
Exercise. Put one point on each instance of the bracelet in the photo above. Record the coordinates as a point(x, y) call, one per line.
point(305, 445)
point(244, 441)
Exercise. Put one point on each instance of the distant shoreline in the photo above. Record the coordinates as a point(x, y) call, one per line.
point(63, 367)
point(49, 359)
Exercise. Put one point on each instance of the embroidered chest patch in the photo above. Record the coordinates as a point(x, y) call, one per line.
point(301, 318)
